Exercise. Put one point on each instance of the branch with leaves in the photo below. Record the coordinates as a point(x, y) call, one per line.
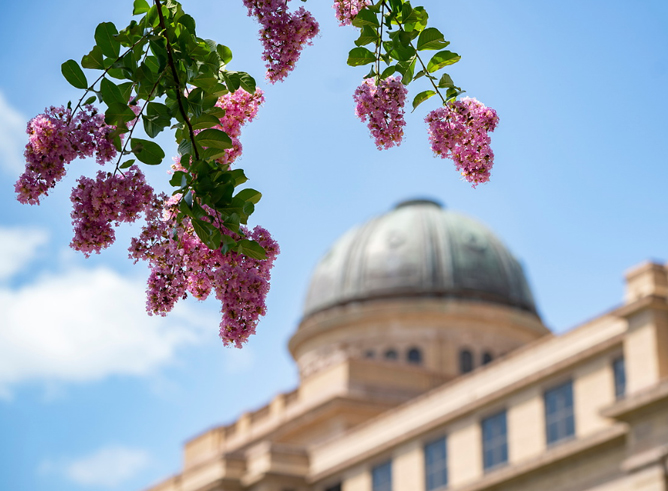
point(158, 75)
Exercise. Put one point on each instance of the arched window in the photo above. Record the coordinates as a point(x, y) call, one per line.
point(414, 356)
point(465, 361)
point(391, 354)
point(487, 357)
point(369, 353)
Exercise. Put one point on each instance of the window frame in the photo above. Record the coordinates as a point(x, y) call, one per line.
point(444, 463)
point(492, 465)
point(563, 414)
point(375, 471)
point(619, 377)
point(466, 352)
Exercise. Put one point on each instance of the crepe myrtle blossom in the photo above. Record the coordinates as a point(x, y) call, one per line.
point(346, 10)
point(383, 106)
point(240, 108)
point(99, 204)
point(459, 131)
point(283, 34)
point(181, 264)
point(56, 138)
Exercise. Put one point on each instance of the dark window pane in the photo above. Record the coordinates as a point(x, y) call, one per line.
point(559, 416)
point(381, 477)
point(391, 354)
point(336, 487)
point(465, 361)
point(415, 356)
point(619, 370)
point(487, 358)
point(494, 440)
point(436, 467)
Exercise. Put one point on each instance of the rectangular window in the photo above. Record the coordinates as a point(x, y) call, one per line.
point(494, 441)
point(381, 477)
point(620, 377)
point(436, 464)
point(559, 417)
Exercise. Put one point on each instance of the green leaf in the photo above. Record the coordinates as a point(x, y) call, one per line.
point(74, 74)
point(365, 18)
point(402, 53)
point(207, 233)
point(251, 248)
point(185, 147)
point(225, 53)
point(421, 97)
point(388, 71)
point(250, 195)
point(247, 82)
point(360, 56)
point(90, 100)
point(445, 81)
point(367, 35)
point(111, 92)
point(127, 164)
point(204, 121)
point(118, 113)
point(188, 22)
point(140, 7)
point(441, 59)
point(147, 151)
point(214, 138)
point(431, 38)
point(227, 244)
point(104, 37)
point(93, 60)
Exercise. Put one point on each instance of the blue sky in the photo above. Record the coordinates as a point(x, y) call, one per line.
point(96, 395)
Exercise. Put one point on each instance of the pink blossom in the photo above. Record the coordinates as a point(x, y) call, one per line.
point(346, 10)
point(460, 131)
point(55, 139)
point(106, 201)
point(240, 108)
point(383, 105)
point(283, 34)
point(181, 264)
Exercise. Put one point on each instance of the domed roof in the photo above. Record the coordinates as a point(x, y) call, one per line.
point(418, 249)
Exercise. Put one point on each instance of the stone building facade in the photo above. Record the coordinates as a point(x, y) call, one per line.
point(424, 366)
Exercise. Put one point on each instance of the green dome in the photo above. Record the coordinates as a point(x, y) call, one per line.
point(419, 249)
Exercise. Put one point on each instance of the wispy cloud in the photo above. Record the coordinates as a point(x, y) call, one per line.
point(84, 325)
point(17, 248)
point(12, 137)
point(108, 467)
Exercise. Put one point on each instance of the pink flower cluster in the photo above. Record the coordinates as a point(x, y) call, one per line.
point(346, 10)
point(99, 204)
point(55, 139)
point(240, 108)
point(180, 264)
point(283, 34)
point(383, 105)
point(460, 131)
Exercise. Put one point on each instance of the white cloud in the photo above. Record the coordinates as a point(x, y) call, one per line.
point(83, 324)
point(108, 467)
point(17, 248)
point(12, 137)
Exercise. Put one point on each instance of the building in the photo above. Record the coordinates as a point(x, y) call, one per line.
point(424, 366)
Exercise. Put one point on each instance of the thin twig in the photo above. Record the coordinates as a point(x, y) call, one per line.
point(102, 76)
point(176, 79)
point(417, 55)
point(120, 156)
